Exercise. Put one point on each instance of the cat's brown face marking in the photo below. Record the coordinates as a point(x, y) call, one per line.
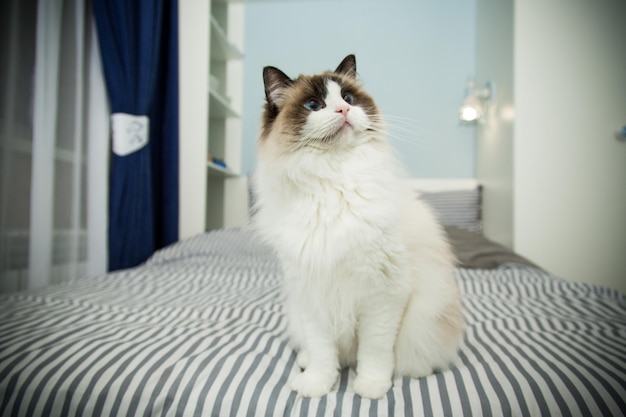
point(316, 107)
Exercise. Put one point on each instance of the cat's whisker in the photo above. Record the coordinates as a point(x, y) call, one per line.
point(404, 129)
point(400, 134)
point(397, 119)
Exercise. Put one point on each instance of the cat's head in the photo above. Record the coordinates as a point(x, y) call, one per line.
point(324, 111)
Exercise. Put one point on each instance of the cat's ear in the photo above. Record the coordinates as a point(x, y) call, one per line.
point(347, 66)
point(276, 83)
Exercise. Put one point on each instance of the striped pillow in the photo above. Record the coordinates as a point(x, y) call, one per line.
point(460, 208)
point(455, 202)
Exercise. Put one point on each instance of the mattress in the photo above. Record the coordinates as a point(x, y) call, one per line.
point(199, 331)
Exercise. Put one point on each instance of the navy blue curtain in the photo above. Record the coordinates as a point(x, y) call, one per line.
point(139, 47)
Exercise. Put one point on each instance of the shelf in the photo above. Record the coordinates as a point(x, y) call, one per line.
point(219, 107)
point(221, 48)
point(217, 171)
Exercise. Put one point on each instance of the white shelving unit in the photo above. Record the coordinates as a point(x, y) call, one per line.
point(211, 78)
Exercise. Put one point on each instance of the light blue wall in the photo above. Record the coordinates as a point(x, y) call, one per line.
point(413, 57)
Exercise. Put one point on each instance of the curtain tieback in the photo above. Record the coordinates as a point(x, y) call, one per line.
point(130, 133)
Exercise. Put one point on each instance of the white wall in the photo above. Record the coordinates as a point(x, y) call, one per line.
point(193, 109)
point(570, 94)
point(494, 149)
point(566, 196)
point(413, 56)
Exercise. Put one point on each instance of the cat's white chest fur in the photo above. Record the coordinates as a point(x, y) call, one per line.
point(329, 212)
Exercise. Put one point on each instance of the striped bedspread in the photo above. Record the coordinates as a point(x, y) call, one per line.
point(198, 331)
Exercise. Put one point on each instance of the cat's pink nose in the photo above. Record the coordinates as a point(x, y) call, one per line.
point(343, 110)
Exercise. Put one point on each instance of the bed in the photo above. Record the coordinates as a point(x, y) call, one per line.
point(198, 331)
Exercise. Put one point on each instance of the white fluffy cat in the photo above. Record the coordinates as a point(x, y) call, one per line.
point(368, 273)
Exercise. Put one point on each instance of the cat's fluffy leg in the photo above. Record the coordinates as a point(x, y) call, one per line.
point(431, 331)
point(378, 326)
point(322, 370)
point(302, 359)
point(296, 333)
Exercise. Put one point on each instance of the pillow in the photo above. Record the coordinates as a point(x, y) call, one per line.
point(460, 208)
point(455, 202)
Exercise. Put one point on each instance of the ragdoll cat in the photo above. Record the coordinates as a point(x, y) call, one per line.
point(368, 274)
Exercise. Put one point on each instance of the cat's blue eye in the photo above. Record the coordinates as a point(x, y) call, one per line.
point(313, 105)
point(348, 98)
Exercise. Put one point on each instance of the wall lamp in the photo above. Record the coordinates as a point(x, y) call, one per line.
point(474, 106)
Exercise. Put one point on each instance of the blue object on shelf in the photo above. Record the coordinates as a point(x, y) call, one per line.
point(218, 162)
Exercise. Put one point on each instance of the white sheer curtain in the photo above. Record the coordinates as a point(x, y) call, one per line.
point(54, 145)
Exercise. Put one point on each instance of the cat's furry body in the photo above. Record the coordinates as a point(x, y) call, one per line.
point(368, 273)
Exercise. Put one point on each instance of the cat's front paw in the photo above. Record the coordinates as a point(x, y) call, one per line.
point(371, 388)
point(314, 384)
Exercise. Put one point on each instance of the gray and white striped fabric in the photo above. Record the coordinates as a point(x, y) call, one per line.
point(198, 331)
point(460, 208)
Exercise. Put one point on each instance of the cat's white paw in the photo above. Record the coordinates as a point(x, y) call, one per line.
point(371, 388)
point(314, 384)
point(302, 359)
